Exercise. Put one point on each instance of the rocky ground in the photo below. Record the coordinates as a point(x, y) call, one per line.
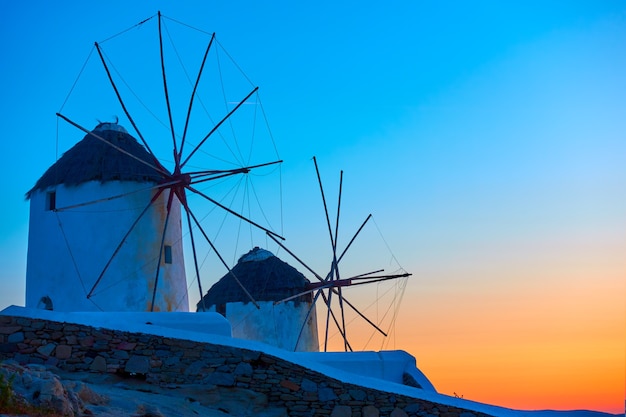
point(32, 389)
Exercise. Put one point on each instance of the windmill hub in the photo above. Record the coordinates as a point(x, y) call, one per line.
point(182, 179)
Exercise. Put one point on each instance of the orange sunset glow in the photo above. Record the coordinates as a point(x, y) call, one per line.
point(536, 348)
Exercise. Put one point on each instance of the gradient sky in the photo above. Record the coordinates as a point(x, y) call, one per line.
point(487, 138)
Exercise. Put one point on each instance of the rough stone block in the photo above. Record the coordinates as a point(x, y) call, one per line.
point(243, 368)
point(120, 354)
point(47, 349)
point(10, 329)
point(300, 408)
point(310, 397)
point(357, 394)
point(17, 337)
point(326, 394)
point(87, 341)
point(308, 386)
point(51, 361)
point(221, 379)
point(137, 365)
point(172, 361)
point(35, 325)
point(398, 412)
point(341, 411)
point(192, 354)
point(21, 358)
point(54, 326)
point(288, 397)
point(26, 348)
point(194, 368)
point(63, 352)
point(345, 397)
point(290, 385)
point(413, 408)
point(267, 359)
point(370, 411)
point(102, 335)
point(249, 355)
point(162, 353)
point(215, 362)
point(126, 346)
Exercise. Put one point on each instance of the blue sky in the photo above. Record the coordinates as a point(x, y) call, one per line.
point(487, 138)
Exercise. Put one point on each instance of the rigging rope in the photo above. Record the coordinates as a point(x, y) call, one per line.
point(126, 30)
point(185, 24)
point(102, 289)
point(221, 77)
point(234, 63)
point(239, 223)
point(401, 284)
point(213, 208)
point(393, 257)
point(244, 318)
point(69, 250)
point(186, 294)
point(241, 163)
point(269, 130)
point(247, 193)
point(77, 78)
point(145, 106)
point(256, 196)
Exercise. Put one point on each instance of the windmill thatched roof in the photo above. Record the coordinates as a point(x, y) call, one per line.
point(94, 160)
point(264, 276)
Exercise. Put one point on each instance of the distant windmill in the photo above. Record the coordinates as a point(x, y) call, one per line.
point(330, 286)
point(290, 325)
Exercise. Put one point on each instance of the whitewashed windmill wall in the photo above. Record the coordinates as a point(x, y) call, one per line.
point(68, 248)
point(267, 279)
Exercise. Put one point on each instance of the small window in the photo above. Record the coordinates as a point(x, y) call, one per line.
point(167, 254)
point(51, 200)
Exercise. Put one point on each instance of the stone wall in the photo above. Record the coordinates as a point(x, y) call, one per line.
point(161, 360)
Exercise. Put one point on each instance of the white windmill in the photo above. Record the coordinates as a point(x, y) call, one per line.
point(266, 279)
point(73, 246)
point(108, 219)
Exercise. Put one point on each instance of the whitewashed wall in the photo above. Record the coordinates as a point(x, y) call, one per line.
point(68, 249)
point(277, 325)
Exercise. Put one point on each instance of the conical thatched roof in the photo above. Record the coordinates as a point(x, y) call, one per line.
point(264, 276)
point(93, 160)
